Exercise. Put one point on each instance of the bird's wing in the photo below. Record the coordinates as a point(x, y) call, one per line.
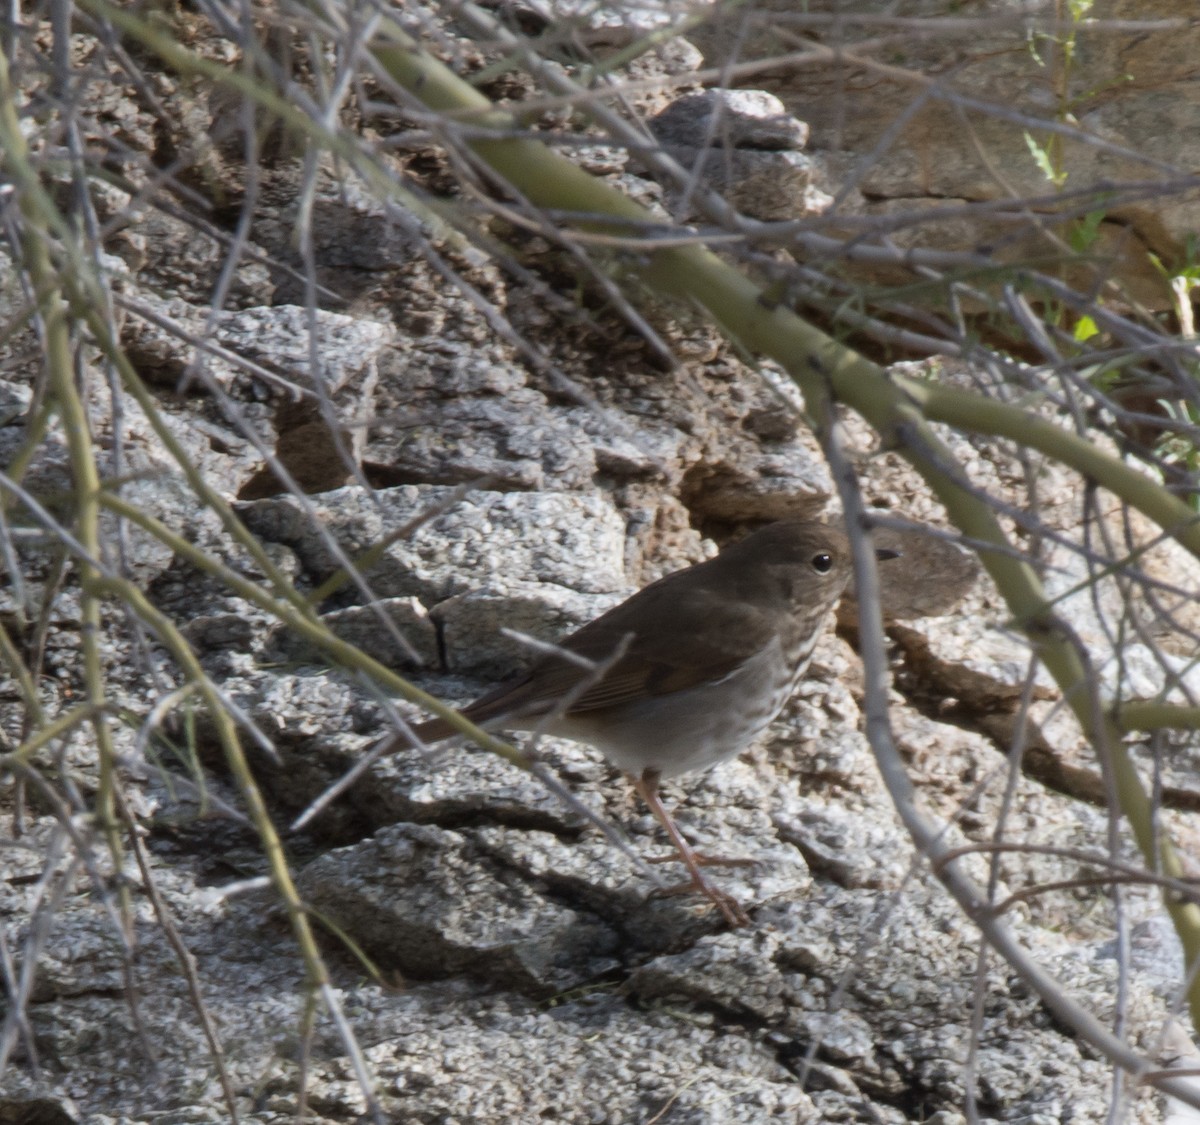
point(720, 635)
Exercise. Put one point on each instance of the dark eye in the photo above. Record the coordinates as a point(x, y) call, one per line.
point(822, 563)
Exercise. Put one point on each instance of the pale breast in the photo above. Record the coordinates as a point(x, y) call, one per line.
point(696, 728)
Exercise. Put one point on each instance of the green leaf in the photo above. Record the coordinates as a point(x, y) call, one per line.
point(1083, 234)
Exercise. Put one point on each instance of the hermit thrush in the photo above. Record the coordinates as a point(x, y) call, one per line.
point(688, 671)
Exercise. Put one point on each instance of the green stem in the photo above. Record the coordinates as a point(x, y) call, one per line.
point(60, 380)
point(1148, 715)
point(966, 411)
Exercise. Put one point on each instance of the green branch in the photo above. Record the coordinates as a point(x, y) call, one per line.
point(62, 388)
point(966, 411)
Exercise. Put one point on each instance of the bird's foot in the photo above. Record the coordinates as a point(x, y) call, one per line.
point(731, 910)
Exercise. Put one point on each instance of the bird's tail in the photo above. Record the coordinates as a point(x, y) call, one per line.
point(433, 730)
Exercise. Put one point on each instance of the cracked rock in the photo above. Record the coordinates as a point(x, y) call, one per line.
point(426, 901)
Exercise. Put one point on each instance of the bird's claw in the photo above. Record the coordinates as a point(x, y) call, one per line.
point(731, 910)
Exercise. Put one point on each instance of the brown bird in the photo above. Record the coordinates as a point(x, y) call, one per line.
point(691, 668)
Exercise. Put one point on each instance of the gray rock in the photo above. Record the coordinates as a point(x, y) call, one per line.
point(167, 253)
point(515, 442)
point(220, 630)
point(751, 119)
point(838, 845)
point(787, 483)
point(464, 785)
point(395, 631)
point(602, 1062)
point(734, 971)
point(478, 627)
point(771, 186)
point(571, 540)
point(292, 706)
point(595, 875)
point(15, 399)
point(427, 901)
point(597, 25)
point(291, 367)
point(278, 339)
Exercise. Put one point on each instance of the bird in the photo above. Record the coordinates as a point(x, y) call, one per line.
point(686, 672)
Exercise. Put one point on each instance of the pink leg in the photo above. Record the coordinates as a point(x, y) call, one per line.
point(647, 787)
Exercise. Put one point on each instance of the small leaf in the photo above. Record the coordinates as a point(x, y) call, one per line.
point(1045, 164)
point(1083, 234)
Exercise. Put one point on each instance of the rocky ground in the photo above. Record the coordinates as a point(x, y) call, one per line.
point(497, 958)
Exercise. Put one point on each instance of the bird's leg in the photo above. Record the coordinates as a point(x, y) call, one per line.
point(701, 859)
point(647, 787)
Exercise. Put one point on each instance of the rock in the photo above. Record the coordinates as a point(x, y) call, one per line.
point(750, 119)
point(487, 632)
point(395, 631)
point(424, 900)
point(601, 879)
point(744, 145)
point(771, 186)
point(781, 485)
point(460, 543)
point(1138, 94)
point(464, 785)
point(597, 25)
point(714, 971)
point(515, 442)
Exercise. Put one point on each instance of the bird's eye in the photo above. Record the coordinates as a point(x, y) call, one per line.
point(822, 563)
